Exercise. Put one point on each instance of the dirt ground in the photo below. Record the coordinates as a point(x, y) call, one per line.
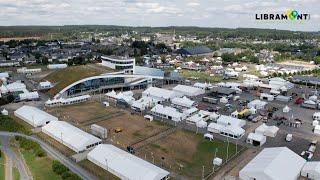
point(81, 113)
point(134, 127)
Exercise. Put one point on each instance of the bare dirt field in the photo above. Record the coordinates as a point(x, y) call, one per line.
point(134, 127)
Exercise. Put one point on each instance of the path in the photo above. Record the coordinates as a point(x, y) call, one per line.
point(8, 168)
point(12, 157)
point(54, 154)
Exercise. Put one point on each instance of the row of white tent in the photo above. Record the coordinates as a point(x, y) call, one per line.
point(118, 162)
point(63, 132)
point(67, 101)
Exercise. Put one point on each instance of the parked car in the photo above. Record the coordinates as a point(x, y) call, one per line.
point(289, 137)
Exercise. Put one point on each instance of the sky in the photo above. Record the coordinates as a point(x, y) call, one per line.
point(202, 13)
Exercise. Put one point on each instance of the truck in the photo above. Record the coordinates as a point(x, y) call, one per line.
point(244, 113)
point(210, 100)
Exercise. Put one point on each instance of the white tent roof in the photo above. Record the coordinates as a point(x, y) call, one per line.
point(188, 90)
point(125, 165)
point(279, 163)
point(228, 120)
point(184, 101)
point(167, 110)
point(34, 116)
point(160, 93)
point(312, 167)
point(286, 109)
point(69, 135)
point(257, 137)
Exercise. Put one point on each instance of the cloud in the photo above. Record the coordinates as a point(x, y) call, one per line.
point(215, 13)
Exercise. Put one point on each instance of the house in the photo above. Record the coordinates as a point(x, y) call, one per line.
point(195, 51)
point(279, 163)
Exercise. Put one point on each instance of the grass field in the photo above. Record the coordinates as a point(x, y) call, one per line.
point(41, 168)
point(201, 76)
point(97, 171)
point(2, 166)
point(185, 153)
point(69, 75)
point(16, 174)
point(80, 113)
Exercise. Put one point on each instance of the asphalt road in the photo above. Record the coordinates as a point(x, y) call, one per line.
point(55, 154)
point(14, 158)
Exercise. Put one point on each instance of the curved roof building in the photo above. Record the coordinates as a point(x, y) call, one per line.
point(119, 63)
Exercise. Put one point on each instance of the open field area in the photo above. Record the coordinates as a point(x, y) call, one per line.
point(185, 153)
point(200, 76)
point(39, 167)
point(69, 75)
point(134, 127)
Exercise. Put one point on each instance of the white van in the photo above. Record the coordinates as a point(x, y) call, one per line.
point(316, 116)
point(289, 137)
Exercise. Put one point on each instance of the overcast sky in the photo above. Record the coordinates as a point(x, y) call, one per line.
point(204, 13)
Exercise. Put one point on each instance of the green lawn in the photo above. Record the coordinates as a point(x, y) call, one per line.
point(41, 168)
point(206, 152)
point(16, 174)
point(69, 75)
point(201, 76)
point(1, 166)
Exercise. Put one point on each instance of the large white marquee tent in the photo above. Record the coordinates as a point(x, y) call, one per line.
point(125, 165)
point(34, 116)
point(70, 136)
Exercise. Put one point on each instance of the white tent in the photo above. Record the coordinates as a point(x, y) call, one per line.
point(270, 131)
point(256, 139)
point(229, 131)
point(286, 109)
point(224, 100)
point(70, 136)
point(125, 165)
point(160, 94)
point(201, 124)
point(188, 90)
point(315, 122)
point(253, 110)
point(167, 112)
point(257, 104)
point(311, 170)
point(228, 120)
point(4, 112)
point(34, 116)
point(279, 163)
point(183, 102)
point(316, 129)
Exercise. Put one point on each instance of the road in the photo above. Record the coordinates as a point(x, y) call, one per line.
point(55, 154)
point(11, 156)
